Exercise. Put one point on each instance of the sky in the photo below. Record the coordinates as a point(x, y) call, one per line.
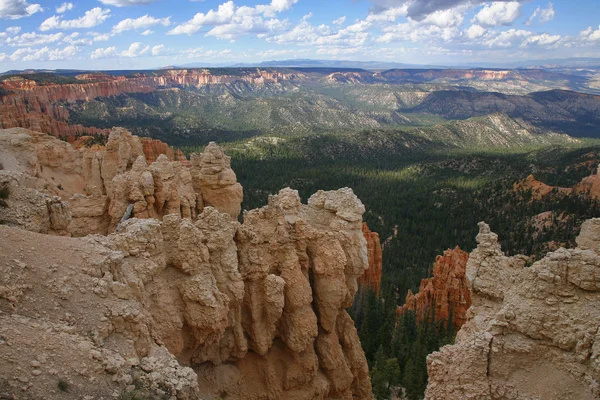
point(145, 34)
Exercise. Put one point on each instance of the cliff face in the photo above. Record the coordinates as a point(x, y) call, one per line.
point(97, 184)
point(372, 276)
point(39, 108)
point(531, 333)
point(445, 295)
point(187, 302)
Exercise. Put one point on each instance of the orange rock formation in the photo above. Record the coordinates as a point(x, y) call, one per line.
point(589, 186)
point(446, 293)
point(372, 275)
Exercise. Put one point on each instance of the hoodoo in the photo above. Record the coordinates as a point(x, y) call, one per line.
point(183, 300)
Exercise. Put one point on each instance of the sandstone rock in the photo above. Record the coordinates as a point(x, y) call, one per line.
point(372, 276)
point(530, 332)
point(446, 295)
point(101, 182)
point(183, 299)
point(212, 175)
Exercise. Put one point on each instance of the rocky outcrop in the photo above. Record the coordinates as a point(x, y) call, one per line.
point(539, 189)
point(372, 276)
point(446, 295)
point(97, 184)
point(205, 309)
point(531, 333)
point(589, 186)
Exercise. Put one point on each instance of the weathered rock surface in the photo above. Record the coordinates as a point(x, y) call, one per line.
point(209, 308)
point(531, 333)
point(446, 295)
point(372, 276)
point(95, 185)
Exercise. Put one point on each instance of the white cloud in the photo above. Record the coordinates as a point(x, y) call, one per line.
point(91, 18)
point(100, 37)
point(13, 30)
point(135, 50)
point(542, 40)
point(104, 53)
point(15, 9)
point(339, 21)
point(498, 13)
point(64, 7)
point(542, 14)
point(44, 54)
point(158, 50)
point(125, 3)
point(143, 22)
point(475, 31)
point(590, 34)
point(508, 38)
point(33, 39)
point(446, 18)
point(75, 39)
point(147, 32)
point(230, 21)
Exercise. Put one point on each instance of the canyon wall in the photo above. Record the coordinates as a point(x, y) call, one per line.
point(531, 332)
point(446, 295)
point(39, 106)
point(181, 301)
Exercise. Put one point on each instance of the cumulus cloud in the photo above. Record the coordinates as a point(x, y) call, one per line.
point(143, 22)
point(498, 13)
point(339, 21)
point(15, 9)
point(64, 7)
point(91, 18)
point(107, 52)
point(419, 9)
point(32, 39)
point(475, 31)
point(135, 50)
point(44, 54)
point(542, 14)
point(590, 34)
point(508, 38)
point(125, 3)
point(147, 32)
point(158, 50)
point(541, 40)
point(230, 21)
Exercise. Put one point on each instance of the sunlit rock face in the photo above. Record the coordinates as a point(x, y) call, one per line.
point(531, 332)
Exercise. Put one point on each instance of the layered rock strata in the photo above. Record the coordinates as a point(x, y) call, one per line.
point(206, 309)
point(39, 106)
point(446, 295)
point(372, 276)
point(92, 187)
point(532, 332)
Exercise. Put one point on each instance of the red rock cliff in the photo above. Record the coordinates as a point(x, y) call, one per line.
point(37, 106)
point(446, 291)
point(372, 275)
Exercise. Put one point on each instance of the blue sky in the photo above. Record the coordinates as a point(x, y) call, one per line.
point(123, 34)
